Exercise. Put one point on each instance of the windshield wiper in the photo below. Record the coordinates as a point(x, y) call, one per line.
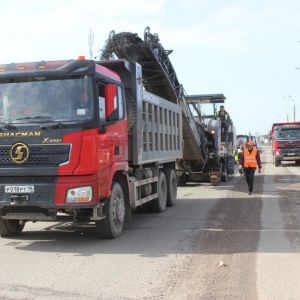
point(34, 118)
point(7, 125)
point(56, 125)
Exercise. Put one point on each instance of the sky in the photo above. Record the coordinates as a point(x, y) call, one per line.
point(247, 50)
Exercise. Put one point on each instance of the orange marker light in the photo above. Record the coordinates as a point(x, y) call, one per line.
point(81, 57)
point(2, 69)
point(21, 68)
point(42, 67)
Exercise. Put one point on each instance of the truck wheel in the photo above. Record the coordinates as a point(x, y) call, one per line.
point(10, 227)
point(159, 204)
point(277, 163)
point(114, 210)
point(171, 187)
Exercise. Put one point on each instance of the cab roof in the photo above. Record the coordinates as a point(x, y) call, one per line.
point(288, 124)
point(205, 98)
point(56, 68)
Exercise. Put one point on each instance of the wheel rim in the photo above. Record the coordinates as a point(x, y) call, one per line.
point(118, 209)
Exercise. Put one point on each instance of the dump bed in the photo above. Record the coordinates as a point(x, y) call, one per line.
point(155, 133)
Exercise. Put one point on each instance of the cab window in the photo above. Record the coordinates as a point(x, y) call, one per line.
point(120, 103)
point(101, 100)
point(114, 103)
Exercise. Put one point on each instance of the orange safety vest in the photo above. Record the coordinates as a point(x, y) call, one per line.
point(250, 159)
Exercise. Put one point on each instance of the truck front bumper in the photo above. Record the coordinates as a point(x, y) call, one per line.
point(287, 154)
point(290, 158)
point(45, 192)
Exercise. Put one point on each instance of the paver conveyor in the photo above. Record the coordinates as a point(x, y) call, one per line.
point(159, 77)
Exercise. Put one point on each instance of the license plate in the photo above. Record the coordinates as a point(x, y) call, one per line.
point(19, 189)
point(291, 154)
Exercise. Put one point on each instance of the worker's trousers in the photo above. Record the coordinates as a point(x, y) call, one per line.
point(249, 174)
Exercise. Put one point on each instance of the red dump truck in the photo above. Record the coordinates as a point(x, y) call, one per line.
point(82, 141)
point(285, 142)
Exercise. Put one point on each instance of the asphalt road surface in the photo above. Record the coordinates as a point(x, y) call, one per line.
point(216, 243)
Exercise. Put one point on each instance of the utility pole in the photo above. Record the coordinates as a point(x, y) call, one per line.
point(91, 43)
point(294, 107)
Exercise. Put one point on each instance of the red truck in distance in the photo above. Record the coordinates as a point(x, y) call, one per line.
point(285, 142)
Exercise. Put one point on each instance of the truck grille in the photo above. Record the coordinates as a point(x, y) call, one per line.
point(288, 144)
point(46, 155)
point(26, 213)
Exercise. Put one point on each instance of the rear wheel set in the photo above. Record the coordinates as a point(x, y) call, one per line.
point(115, 207)
point(159, 204)
point(167, 191)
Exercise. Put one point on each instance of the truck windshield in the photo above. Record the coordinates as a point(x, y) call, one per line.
point(69, 99)
point(290, 133)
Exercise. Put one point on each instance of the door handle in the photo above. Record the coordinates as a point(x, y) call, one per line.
point(117, 149)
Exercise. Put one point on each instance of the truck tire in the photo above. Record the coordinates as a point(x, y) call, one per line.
point(159, 204)
point(10, 227)
point(277, 163)
point(171, 187)
point(114, 210)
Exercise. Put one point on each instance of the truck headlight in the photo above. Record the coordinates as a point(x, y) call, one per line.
point(81, 194)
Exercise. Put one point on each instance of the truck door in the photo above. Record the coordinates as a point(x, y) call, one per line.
point(117, 122)
point(113, 132)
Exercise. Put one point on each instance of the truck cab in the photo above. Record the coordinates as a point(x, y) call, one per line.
point(63, 134)
point(81, 141)
point(286, 142)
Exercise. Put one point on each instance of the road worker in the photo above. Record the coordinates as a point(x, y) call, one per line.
point(237, 157)
point(249, 161)
point(224, 117)
point(222, 114)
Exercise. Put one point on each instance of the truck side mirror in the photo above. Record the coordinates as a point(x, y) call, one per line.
point(111, 102)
